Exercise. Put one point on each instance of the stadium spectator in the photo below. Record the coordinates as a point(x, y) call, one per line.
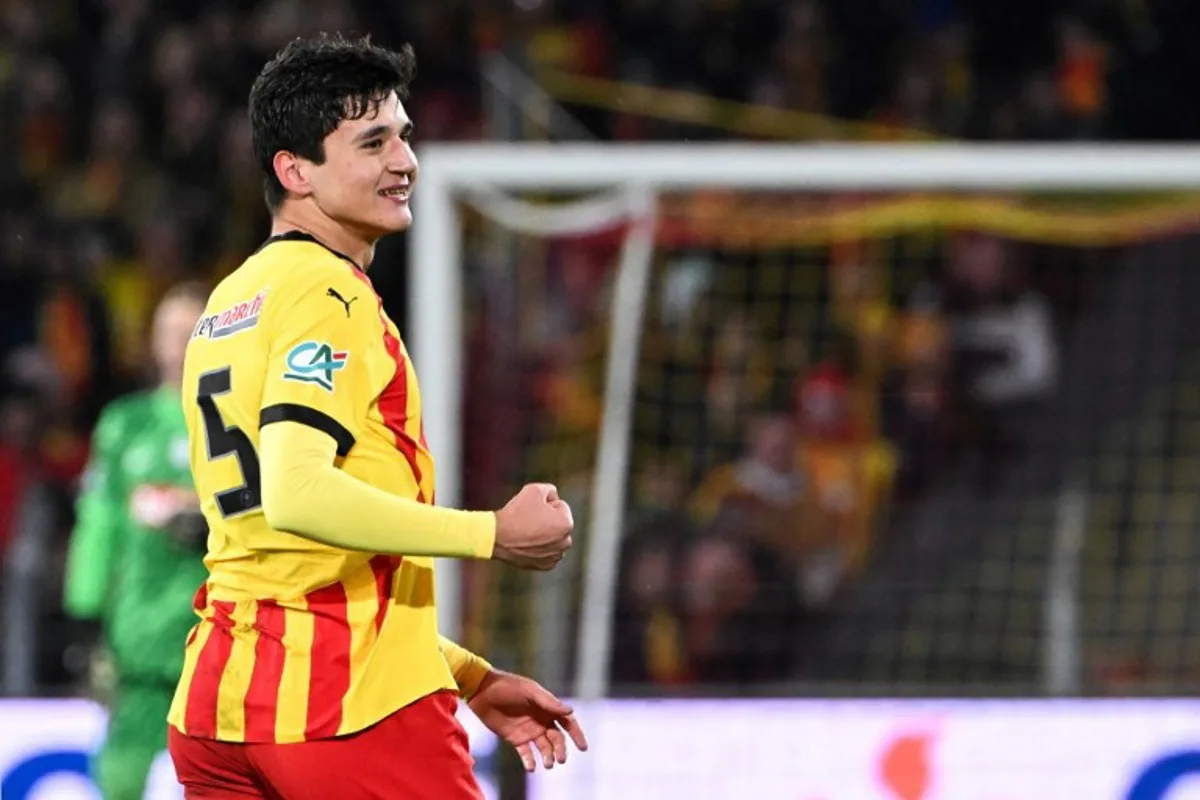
point(738, 610)
point(1004, 346)
point(647, 631)
point(767, 471)
point(916, 413)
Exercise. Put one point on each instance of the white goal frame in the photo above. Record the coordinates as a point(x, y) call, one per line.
point(451, 171)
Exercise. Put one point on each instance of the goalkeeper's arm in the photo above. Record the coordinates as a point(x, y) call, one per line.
point(90, 559)
point(100, 518)
point(305, 494)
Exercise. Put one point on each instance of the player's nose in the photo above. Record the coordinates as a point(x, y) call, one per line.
point(404, 161)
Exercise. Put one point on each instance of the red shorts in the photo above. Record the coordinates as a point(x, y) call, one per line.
point(418, 753)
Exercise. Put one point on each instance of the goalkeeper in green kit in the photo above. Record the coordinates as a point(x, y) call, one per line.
point(136, 554)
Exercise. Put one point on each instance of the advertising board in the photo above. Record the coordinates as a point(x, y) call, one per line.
point(782, 750)
point(884, 750)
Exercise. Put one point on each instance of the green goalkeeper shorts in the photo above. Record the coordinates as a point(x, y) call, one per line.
point(137, 733)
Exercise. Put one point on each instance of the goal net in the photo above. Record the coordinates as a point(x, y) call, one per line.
point(835, 421)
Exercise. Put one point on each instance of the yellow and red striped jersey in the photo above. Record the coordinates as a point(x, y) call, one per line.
point(298, 640)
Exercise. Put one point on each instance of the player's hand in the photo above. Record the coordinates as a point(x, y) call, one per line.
point(528, 717)
point(533, 531)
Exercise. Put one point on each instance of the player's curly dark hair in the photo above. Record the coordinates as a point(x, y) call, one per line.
point(309, 87)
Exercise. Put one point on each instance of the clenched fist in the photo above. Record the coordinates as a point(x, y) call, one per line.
point(533, 530)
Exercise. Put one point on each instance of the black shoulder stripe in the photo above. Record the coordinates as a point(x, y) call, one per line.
point(292, 412)
point(301, 236)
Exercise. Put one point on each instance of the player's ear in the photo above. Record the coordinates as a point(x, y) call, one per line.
point(292, 173)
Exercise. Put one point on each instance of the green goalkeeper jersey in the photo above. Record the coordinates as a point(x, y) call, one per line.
point(136, 554)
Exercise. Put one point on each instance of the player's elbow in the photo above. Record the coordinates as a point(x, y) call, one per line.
point(298, 493)
point(300, 501)
point(290, 482)
point(284, 489)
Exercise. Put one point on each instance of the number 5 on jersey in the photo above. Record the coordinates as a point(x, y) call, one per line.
point(224, 441)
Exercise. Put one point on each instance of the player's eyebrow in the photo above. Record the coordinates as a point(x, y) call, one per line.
point(373, 132)
point(376, 131)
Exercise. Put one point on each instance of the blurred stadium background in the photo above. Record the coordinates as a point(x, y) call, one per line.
point(884, 444)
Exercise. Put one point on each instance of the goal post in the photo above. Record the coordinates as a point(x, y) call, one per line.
point(633, 177)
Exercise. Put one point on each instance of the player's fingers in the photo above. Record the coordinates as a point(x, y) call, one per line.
point(548, 491)
point(527, 759)
point(571, 725)
point(559, 743)
point(564, 508)
point(546, 749)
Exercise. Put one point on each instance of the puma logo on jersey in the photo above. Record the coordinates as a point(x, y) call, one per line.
point(235, 319)
point(336, 295)
point(314, 362)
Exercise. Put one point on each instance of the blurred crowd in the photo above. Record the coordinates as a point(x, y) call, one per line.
point(776, 433)
point(130, 170)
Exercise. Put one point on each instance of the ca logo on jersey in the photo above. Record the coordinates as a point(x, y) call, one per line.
point(314, 362)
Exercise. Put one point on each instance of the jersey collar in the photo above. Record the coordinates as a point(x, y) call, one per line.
point(302, 236)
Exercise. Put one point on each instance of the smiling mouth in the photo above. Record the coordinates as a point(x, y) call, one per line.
point(399, 193)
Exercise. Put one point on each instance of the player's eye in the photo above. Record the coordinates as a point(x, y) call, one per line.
point(373, 144)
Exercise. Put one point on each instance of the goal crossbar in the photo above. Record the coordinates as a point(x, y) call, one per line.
point(813, 167)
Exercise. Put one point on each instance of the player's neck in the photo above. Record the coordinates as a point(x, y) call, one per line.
point(329, 232)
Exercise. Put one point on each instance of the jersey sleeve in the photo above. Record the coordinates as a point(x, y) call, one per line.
point(318, 373)
point(468, 669)
point(304, 493)
point(101, 514)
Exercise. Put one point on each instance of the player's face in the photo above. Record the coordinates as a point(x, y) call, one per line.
point(369, 171)
point(174, 322)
